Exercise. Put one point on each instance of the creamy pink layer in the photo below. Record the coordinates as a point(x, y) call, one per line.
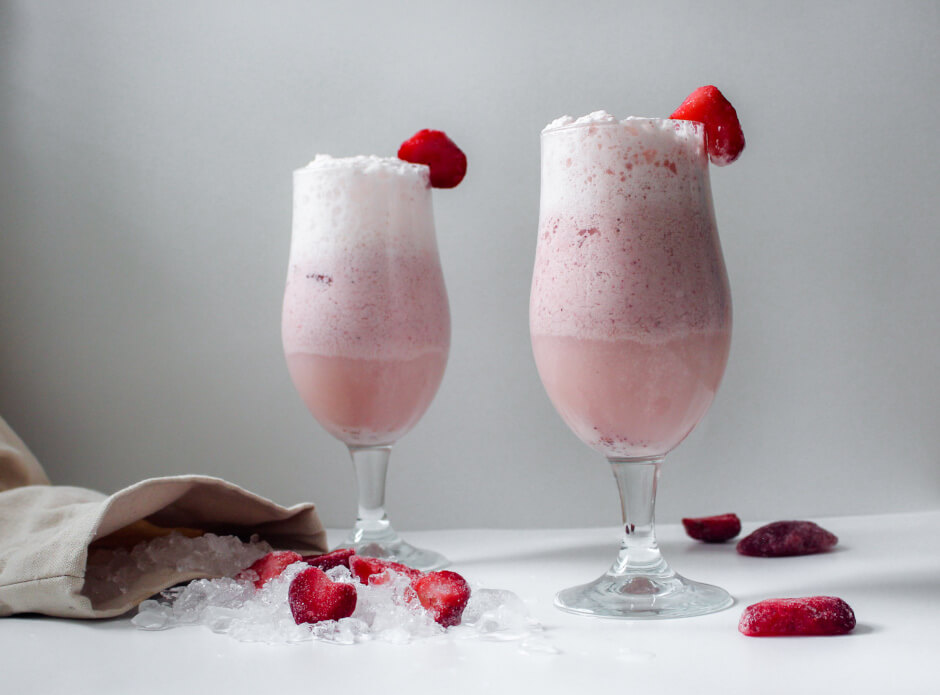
point(368, 301)
point(367, 402)
point(630, 398)
point(628, 247)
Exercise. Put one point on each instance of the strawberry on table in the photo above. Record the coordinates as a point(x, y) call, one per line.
point(786, 538)
point(447, 162)
point(713, 529)
point(725, 139)
point(444, 594)
point(793, 617)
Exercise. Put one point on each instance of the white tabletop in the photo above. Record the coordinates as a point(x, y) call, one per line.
point(886, 567)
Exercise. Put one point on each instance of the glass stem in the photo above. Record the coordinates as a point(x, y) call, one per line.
point(371, 465)
point(639, 552)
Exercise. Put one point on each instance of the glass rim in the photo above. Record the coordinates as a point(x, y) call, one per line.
point(408, 166)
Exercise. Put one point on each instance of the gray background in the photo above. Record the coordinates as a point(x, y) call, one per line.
point(145, 158)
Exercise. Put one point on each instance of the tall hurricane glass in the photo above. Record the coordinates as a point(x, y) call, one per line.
point(366, 322)
point(630, 319)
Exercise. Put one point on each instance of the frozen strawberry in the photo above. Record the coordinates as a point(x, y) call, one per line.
point(444, 594)
point(447, 162)
point(372, 570)
point(713, 529)
point(790, 617)
point(314, 597)
point(328, 561)
point(725, 139)
point(269, 567)
point(785, 538)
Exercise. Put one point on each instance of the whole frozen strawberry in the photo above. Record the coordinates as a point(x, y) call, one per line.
point(792, 617)
point(786, 538)
point(444, 594)
point(373, 570)
point(268, 567)
point(447, 162)
point(713, 529)
point(724, 137)
point(314, 597)
point(328, 561)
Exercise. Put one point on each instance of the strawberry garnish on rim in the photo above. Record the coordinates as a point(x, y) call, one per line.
point(447, 162)
point(725, 139)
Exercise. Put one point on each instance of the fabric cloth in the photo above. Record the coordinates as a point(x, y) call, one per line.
point(46, 531)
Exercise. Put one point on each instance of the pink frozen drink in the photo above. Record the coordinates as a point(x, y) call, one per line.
point(630, 312)
point(365, 322)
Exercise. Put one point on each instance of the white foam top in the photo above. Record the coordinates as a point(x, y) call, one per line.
point(368, 164)
point(342, 201)
point(594, 118)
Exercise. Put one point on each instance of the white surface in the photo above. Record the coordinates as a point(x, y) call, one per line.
point(146, 151)
point(886, 567)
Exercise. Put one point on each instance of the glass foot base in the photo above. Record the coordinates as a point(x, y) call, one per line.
point(399, 551)
point(643, 597)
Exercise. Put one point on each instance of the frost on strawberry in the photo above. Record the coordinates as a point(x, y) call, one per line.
point(373, 570)
point(444, 595)
point(313, 597)
point(327, 561)
point(268, 567)
point(793, 617)
point(786, 538)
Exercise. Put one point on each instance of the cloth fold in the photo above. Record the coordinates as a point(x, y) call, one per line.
point(46, 531)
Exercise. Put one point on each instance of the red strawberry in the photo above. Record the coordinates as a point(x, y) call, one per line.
point(328, 561)
point(784, 538)
point(432, 147)
point(713, 529)
point(269, 567)
point(372, 570)
point(722, 129)
point(444, 595)
point(789, 617)
point(314, 597)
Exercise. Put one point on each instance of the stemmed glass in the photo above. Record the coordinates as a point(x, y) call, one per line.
point(630, 320)
point(365, 321)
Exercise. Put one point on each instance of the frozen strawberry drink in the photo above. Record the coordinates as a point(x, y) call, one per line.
point(365, 323)
point(630, 318)
point(630, 310)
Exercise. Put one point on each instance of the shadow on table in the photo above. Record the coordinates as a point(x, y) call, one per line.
point(118, 622)
point(591, 552)
point(566, 551)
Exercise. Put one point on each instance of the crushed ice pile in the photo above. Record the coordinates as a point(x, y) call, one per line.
point(236, 608)
point(112, 572)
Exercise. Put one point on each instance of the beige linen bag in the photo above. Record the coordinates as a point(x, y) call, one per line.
point(46, 530)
